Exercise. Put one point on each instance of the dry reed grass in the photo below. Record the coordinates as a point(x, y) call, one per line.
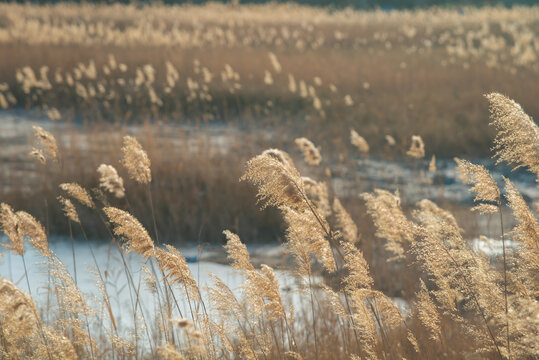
point(283, 65)
point(461, 303)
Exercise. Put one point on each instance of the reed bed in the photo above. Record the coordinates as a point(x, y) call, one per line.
point(234, 124)
point(461, 302)
point(317, 71)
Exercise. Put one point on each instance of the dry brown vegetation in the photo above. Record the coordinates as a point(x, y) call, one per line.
point(461, 302)
point(157, 112)
point(314, 70)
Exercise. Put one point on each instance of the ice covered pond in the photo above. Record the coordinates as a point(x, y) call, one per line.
point(111, 267)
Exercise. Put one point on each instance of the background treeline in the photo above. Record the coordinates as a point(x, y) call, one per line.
point(358, 4)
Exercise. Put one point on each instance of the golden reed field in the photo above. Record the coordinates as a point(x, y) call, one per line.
point(317, 145)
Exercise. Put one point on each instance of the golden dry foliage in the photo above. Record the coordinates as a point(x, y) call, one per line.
point(22, 335)
point(32, 229)
point(174, 265)
point(310, 152)
point(78, 192)
point(517, 141)
point(427, 313)
point(69, 209)
point(110, 181)
point(18, 323)
point(391, 223)
point(237, 252)
point(359, 142)
point(276, 178)
point(417, 148)
point(484, 186)
point(136, 161)
point(458, 272)
point(47, 140)
point(168, 351)
point(38, 155)
point(526, 232)
point(131, 231)
point(390, 140)
point(10, 226)
point(432, 164)
point(459, 294)
point(261, 288)
point(346, 225)
point(357, 285)
point(306, 236)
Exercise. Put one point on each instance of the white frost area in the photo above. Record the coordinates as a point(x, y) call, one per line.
point(112, 269)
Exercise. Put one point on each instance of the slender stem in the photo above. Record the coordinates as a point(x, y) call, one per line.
point(38, 320)
point(505, 281)
point(73, 251)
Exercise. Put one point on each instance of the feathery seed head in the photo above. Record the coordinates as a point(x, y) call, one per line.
point(237, 252)
point(110, 181)
point(173, 263)
point(47, 140)
point(417, 149)
point(130, 230)
point(310, 152)
point(517, 141)
point(38, 155)
point(9, 223)
point(484, 185)
point(358, 141)
point(136, 161)
point(69, 209)
point(78, 192)
point(277, 179)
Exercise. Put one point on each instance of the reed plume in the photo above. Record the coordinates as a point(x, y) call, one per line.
point(310, 152)
point(526, 232)
point(261, 288)
point(79, 193)
point(432, 164)
point(10, 225)
point(136, 161)
point(174, 265)
point(69, 209)
point(517, 141)
point(358, 141)
point(484, 186)
point(391, 223)
point(110, 181)
point(417, 148)
point(346, 225)
point(47, 140)
point(38, 155)
point(17, 320)
point(427, 313)
point(34, 231)
point(276, 178)
point(317, 192)
point(131, 231)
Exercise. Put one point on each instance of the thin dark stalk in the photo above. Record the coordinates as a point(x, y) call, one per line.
point(73, 251)
point(505, 282)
